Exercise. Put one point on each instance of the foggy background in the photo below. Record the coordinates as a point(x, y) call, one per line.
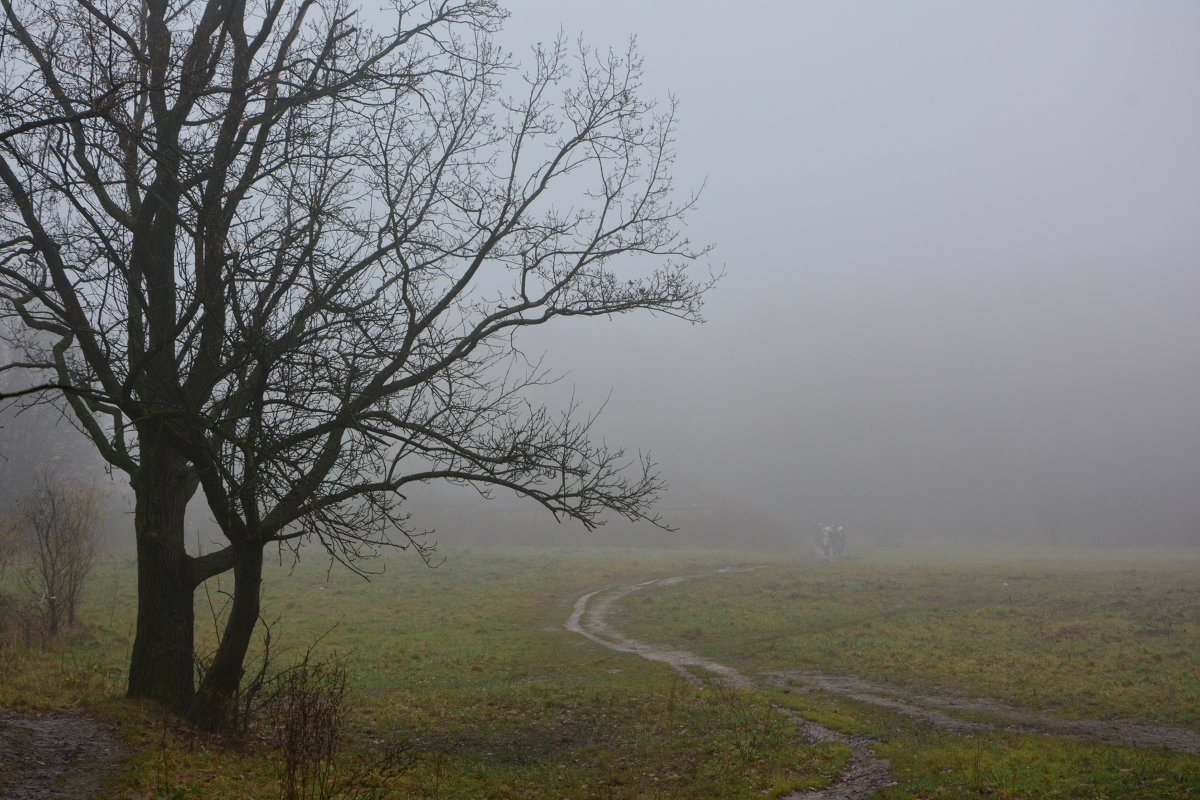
point(962, 294)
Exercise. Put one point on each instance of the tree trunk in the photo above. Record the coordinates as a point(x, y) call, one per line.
point(214, 705)
point(162, 666)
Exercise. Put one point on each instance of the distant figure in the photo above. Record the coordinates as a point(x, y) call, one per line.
point(839, 542)
point(826, 541)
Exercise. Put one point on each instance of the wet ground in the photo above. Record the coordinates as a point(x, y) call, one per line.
point(58, 756)
point(866, 773)
point(67, 756)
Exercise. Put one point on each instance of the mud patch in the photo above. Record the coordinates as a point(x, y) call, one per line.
point(55, 757)
point(866, 773)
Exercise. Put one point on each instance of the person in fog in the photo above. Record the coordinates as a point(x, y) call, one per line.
point(839, 542)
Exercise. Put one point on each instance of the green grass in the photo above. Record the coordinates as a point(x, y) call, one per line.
point(1078, 638)
point(1011, 767)
point(928, 763)
point(468, 668)
point(1086, 637)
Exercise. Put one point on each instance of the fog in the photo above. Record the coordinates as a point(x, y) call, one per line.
point(961, 256)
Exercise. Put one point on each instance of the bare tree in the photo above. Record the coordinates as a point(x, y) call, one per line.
point(61, 536)
point(9, 543)
point(286, 256)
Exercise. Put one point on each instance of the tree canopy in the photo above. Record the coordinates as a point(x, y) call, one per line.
point(283, 252)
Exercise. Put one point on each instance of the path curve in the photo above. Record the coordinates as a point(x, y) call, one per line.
point(866, 773)
point(592, 623)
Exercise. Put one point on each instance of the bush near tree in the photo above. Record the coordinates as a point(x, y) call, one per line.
point(60, 537)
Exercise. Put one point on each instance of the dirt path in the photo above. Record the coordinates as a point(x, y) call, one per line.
point(866, 773)
point(936, 710)
point(54, 757)
point(590, 620)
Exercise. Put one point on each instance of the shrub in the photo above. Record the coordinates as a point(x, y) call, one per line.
point(61, 537)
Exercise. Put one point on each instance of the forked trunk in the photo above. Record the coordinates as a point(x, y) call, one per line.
point(162, 664)
point(215, 703)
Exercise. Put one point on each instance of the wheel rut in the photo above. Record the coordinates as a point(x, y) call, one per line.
point(866, 773)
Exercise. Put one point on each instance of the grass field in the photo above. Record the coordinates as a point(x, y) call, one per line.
point(468, 669)
point(1078, 637)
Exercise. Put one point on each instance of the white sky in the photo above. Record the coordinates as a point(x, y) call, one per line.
point(963, 251)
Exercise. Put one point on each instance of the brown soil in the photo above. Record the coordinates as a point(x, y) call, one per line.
point(866, 773)
point(57, 756)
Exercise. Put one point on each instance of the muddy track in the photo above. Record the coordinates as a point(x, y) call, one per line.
point(866, 773)
point(55, 757)
point(589, 619)
point(936, 710)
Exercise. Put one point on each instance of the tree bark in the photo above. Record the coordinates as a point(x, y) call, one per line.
point(162, 665)
point(214, 704)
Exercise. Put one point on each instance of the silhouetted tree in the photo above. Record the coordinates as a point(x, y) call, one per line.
point(285, 252)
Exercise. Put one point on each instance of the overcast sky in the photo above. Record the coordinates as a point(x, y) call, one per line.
point(962, 245)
